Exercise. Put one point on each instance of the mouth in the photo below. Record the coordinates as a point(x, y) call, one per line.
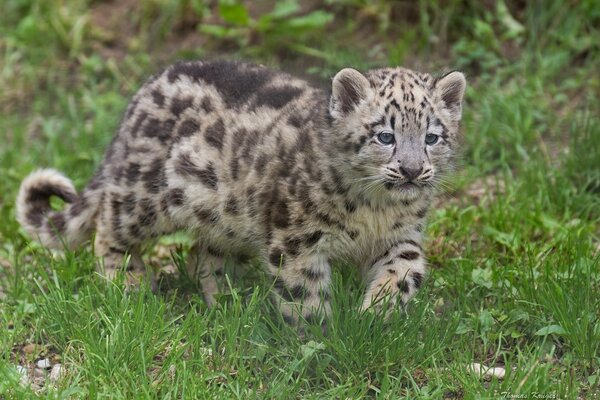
point(404, 186)
point(408, 186)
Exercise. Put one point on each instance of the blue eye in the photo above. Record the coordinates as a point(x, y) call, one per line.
point(385, 137)
point(431, 139)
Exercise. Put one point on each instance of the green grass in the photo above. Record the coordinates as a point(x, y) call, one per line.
point(514, 248)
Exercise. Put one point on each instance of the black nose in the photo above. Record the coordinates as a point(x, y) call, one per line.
point(411, 173)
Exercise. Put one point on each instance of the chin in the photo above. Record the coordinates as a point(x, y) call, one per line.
point(405, 191)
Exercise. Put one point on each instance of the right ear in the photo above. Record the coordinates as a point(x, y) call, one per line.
point(348, 89)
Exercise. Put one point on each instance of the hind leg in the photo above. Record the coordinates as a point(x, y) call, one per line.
point(114, 244)
point(301, 284)
point(114, 259)
point(204, 266)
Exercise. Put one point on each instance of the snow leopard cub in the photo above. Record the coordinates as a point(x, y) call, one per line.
point(254, 161)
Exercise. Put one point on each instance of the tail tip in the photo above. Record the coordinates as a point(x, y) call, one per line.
point(34, 195)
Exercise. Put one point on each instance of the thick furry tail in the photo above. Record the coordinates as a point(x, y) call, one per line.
point(55, 229)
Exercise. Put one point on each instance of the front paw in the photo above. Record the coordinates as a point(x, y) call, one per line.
point(391, 288)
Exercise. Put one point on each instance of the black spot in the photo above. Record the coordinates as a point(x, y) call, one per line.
point(215, 133)
point(78, 206)
point(235, 168)
point(35, 216)
point(312, 274)
point(295, 120)
point(115, 205)
point(175, 197)
point(235, 81)
point(138, 123)
point(409, 255)
point(260, 163)
point(206, 105)
point(326, 219)
point(96, 181)
point(313, 238)
point(186, 167)
point(409, 241)
point(131, 108)
point(279, 283)
point(132, 173)
point(207, 216)
point(57, 223)
point(158, 97)
point(148, 214)
point(152, 128)
point(208, 176)
point(160, 130)
point(297, 292)
point(213, 251)
point(350, 206)
point(250, 141)
point(288, 319)
point(276, 97)
point(117, 250)
point(281, 215)
point(360, 143)
point(422, 212)
point(397, 225)
point(231, 206)
point(292, 245)
point(179, 105)
point(380, 121)
point(418, 279)
point(129, 202)
point(41, 194)
point(135, 231)
point(188, 128)
point(276, 257)
point(403, 286)
point(154, 178)
point(393, 122)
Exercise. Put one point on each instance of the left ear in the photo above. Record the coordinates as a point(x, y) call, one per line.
point(450, 89)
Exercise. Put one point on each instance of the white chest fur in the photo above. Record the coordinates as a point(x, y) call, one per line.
point(374, 230)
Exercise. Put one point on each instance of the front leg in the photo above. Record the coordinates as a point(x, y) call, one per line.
point(398, 273)
point(302, 279)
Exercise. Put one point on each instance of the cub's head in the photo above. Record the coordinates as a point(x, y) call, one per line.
point(397, 129)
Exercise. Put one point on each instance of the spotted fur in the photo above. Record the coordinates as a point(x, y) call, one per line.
point(254, 161)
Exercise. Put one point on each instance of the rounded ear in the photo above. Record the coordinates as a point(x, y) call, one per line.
point(349, 88)
point(450, 89)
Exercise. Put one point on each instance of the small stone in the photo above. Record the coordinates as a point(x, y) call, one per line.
point(487, 372)
point(44, 364)
point(56, 372)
